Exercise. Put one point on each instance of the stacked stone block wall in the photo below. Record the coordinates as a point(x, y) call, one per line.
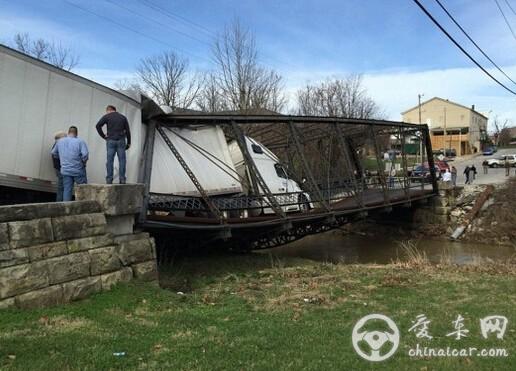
point(59, 252)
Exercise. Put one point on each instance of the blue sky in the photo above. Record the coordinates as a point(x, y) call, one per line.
point(396, 48)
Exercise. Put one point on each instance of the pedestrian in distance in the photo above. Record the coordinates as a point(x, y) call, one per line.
point(73, 155)
point(454, 175)
point(473, 174)
point(485, 166)
point(466, 174)
point(57, 167)
point(507, 166)
point(118, 140)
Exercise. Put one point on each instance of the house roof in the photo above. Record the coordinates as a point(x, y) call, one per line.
point(445, 101)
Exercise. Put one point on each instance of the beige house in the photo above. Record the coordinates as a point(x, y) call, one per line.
point(451, 125)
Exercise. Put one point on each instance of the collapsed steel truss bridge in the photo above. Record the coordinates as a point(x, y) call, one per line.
point(338, 162)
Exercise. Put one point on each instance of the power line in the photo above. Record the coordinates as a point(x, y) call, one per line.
point(474, 43)
point(157, 22)
point(177, 16)
point(510, 6)
point(505, 18)
point(172, 15)
point(112, 21)
point(460, 47)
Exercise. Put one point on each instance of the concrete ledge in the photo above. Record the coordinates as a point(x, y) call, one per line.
point(46, 210)
point(115, 199)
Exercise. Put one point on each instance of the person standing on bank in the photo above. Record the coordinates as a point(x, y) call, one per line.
point(454, 175)
point(485, 165)
point(57, 167)
point(117, 134)
point(466, 174)
point(73, 155)
point(473, 174)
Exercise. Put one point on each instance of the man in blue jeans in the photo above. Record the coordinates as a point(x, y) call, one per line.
point(57, 167)
point(117, 133)
point(73, 155)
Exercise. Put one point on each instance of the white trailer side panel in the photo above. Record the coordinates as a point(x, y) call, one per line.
point(213, 168)
point(37, 100)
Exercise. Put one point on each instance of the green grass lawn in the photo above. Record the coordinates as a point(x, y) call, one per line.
point(253, 312)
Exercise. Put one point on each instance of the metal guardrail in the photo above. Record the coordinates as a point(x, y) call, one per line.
point(171, 203)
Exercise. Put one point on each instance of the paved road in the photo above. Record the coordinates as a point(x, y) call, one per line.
point(493, 176)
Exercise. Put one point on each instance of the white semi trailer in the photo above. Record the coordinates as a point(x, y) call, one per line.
point(37, 100)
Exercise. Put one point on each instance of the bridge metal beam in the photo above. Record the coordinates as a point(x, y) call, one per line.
point(211, 206)
point(146, 168)
point(243, 119)
point(311, 181)
point(345, 153)
point(256, 177)
point(430, 158)
point(406, 180)
point(381, 171)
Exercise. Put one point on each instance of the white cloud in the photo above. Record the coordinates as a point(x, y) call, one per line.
point(396, 91)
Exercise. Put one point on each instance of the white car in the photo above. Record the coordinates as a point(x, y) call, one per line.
point(500, 161)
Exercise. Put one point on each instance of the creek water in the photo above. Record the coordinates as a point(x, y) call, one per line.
point(337, 247)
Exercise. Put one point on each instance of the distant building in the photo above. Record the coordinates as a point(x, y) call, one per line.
point(451, 125)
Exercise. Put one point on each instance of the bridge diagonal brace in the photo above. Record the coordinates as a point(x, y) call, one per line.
point(406, 181)
point(211, 206)
point(381, 173)
point(430, 158)
point(311, 181)
point(256, 177)
point(345, 152)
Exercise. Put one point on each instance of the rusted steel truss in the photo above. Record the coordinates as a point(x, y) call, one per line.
point(340, 166)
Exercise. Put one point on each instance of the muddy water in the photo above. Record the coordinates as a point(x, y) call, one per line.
point(336, 247)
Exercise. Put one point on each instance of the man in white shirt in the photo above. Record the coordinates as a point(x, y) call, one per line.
point(447, 176)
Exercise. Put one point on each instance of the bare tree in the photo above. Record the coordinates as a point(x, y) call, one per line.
point(241, 82)
point(338, 97)
point(210, 98)
point(127, 84)
point(167, 79)
point(505, 137)
point(48, 51)
point(499, 129)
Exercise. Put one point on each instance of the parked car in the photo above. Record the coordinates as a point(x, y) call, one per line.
point(441, 165)
point(500, 161)
point(422, 172)
point(489, 151)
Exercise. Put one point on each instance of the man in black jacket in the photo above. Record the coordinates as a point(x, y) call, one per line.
point(117, 133)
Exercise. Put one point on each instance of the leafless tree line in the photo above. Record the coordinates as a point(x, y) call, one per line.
point(237, 80)
point(52, 52)
point(337, 97)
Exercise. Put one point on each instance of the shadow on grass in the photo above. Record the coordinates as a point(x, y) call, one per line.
point(195, 270)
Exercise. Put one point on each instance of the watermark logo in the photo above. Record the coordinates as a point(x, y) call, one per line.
point(375, 339)
point(496, 324)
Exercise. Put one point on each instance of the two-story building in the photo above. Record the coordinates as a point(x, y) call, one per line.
point(451, 125)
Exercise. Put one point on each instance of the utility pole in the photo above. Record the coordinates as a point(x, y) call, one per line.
point(445, 132)
point(420, 139)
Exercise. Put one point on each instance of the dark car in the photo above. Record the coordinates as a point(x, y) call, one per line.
point(421, 173)
point(488, 151)
point(441, 166)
